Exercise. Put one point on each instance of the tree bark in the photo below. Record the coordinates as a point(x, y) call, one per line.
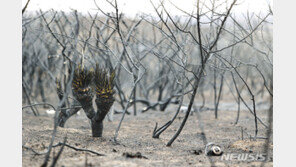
point(97, 128)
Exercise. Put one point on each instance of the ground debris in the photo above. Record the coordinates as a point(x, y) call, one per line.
point(133, 155)
point(38, 131)
point(196, 152)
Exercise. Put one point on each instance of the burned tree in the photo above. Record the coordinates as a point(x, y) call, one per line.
point(104, 84)
point(87, 83)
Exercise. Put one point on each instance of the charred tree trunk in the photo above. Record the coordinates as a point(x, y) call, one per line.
point(103, 105)
point(104, 84)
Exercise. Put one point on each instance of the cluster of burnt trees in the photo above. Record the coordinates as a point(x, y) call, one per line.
point(147, 63)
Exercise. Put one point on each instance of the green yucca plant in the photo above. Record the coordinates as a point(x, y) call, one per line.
point(82, 79)
point(82, 91)
point(100, 82)
point(104, 84)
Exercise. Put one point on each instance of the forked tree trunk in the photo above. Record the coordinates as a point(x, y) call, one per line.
point(84, 93)
point(97, 128)
point(103, 105)
point(98, 117)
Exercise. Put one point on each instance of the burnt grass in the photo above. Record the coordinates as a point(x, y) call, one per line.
point(136, 147)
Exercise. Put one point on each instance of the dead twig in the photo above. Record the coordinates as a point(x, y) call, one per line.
point(78, 149)
point(35, 152)
point(24, 9)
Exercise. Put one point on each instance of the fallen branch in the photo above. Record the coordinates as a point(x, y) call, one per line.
point(78, 149)
point(63, 144)
point(35, 152)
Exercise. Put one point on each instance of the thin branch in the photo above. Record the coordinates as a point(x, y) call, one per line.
point(25, 7)
point(78, 149)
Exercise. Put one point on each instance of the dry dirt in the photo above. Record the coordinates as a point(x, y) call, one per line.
point(136, 136)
